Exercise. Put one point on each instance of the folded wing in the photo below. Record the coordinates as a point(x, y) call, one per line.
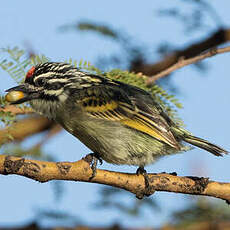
point(131, 107)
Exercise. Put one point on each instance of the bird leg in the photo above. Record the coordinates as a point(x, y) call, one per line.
point(92, 159)
point(147, 191)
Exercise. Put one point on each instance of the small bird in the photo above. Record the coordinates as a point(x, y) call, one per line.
point(120, 123)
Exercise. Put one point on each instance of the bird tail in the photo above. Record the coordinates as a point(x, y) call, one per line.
point(203, 144)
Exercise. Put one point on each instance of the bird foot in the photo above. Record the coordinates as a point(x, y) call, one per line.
point(147, 190)
point(92, 159)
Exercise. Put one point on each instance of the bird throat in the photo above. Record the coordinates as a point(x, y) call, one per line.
point(47, 108)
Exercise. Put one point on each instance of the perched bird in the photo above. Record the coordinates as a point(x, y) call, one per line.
point(120, 123)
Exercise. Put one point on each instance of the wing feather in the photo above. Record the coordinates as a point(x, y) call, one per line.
point(114, 104)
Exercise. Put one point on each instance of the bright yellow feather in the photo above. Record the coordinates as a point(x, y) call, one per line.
point(100, 108)
point(145, 129)
point(117, 111)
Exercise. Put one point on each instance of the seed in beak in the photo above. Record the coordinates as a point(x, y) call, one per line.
point(14, 96)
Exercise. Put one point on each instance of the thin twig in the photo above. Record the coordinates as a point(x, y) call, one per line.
point(183, 62)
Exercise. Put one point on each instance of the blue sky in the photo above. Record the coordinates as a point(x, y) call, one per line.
point(205, 100)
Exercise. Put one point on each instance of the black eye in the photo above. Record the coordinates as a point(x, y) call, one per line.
point(40, 82)
point(54, 86)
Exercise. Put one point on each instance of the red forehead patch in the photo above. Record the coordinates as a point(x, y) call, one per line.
point(30, 72)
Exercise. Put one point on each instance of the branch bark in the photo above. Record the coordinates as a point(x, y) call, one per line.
point(81, 171)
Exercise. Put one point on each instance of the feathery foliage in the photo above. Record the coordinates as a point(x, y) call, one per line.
point(15, 62)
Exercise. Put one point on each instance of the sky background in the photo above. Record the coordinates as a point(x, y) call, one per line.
point(205, 99)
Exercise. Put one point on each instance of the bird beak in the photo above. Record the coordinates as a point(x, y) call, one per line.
point(20, 94)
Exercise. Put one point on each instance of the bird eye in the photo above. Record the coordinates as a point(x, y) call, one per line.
point(54, 86)
point(40, 82)
point(57, 85)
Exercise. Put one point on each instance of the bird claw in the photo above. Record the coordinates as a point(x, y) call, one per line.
point(147, 190)
point(92, 159)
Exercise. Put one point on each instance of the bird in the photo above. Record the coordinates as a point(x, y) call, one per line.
point(120, 123)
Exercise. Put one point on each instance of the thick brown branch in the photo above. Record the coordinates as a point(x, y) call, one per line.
point(183, 62)
point(219, 37)
point(81, 171)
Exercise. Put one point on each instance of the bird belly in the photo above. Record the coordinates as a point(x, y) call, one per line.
point(116, 143)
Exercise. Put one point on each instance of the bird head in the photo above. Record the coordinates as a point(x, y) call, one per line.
point(48, 81)
point(48, 86)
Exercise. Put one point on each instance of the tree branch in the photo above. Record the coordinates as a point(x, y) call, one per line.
point(28, 126)
point(221, 36)
point(81, 171)
point(24, 128)
point(183, 62)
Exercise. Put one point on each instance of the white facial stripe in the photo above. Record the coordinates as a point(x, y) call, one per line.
point(53, 92)
point(44, 75)
point(62, 80)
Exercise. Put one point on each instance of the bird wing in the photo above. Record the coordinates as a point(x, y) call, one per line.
point(115, 103)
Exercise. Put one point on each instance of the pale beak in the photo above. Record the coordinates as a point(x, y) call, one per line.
point(20, 94)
